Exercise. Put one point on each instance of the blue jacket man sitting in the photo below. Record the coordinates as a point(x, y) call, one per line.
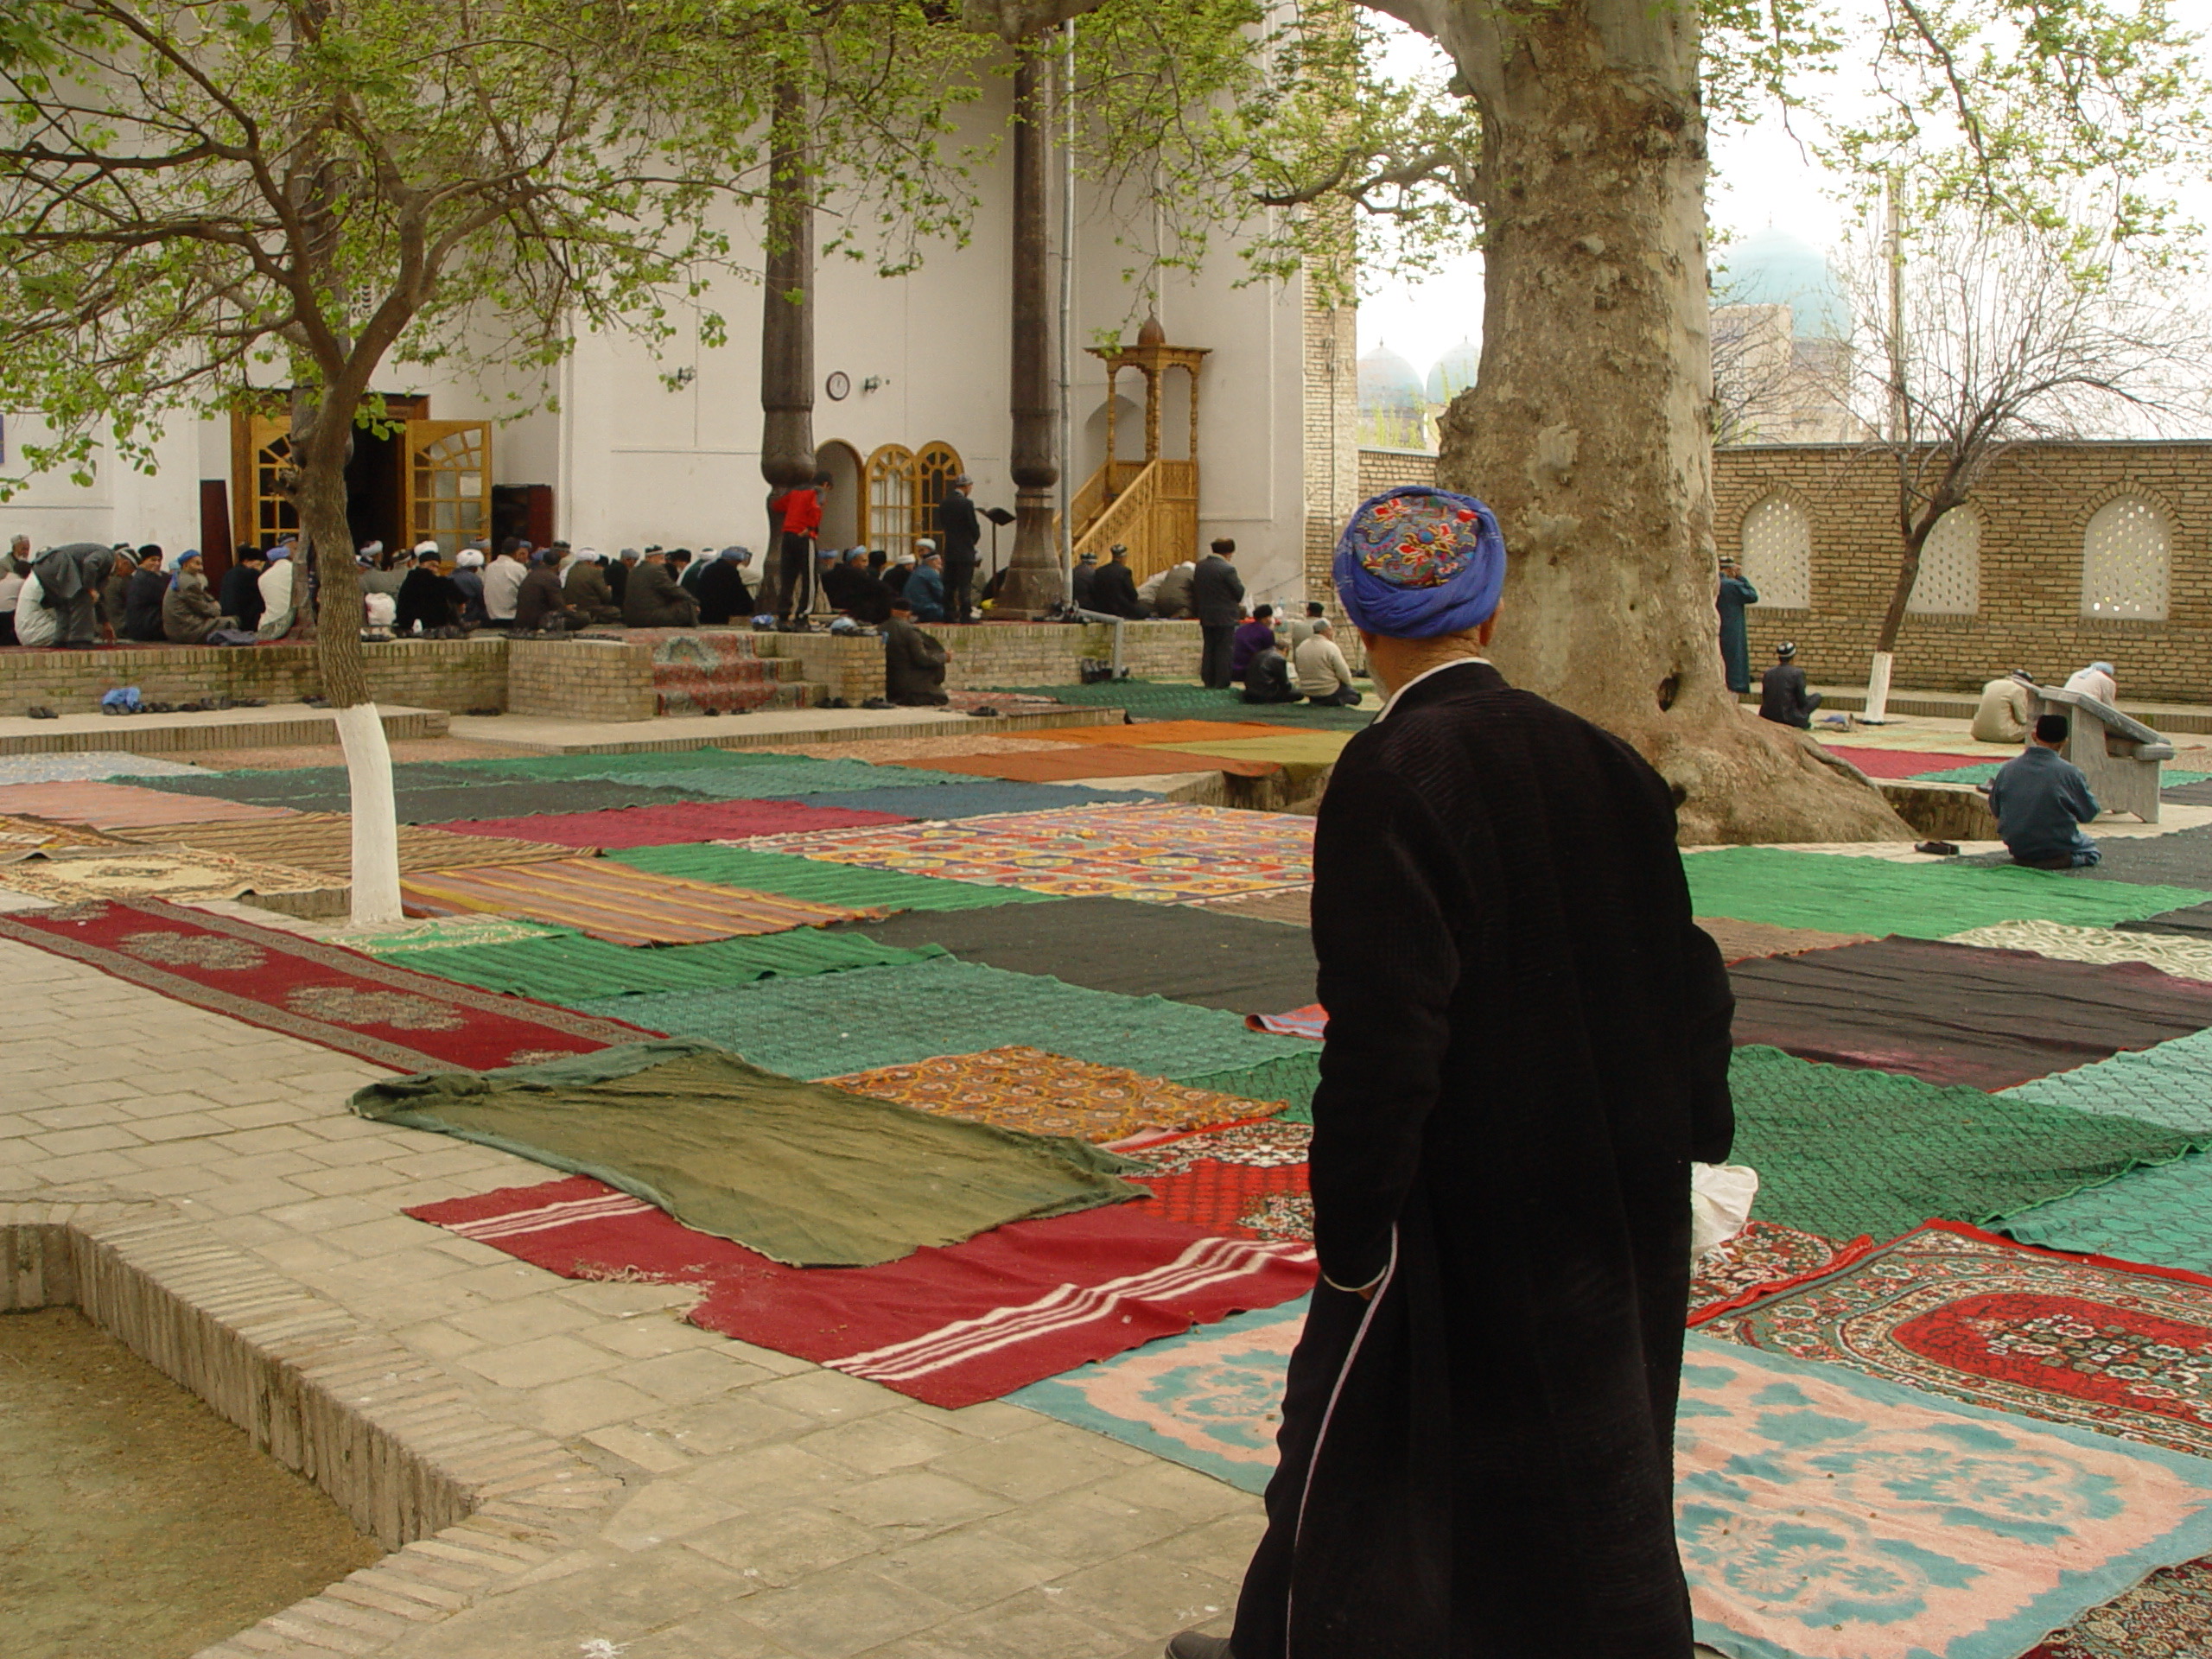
point(925, 589)
point(2041, 800)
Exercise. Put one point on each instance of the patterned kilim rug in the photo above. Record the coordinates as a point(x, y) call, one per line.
point(846, 885)
point(447, 932)
point(692, 821)
point(19, 836)
point(611, 900)
point(901, 751)
point(70, 875)
point(2170, 1085)
point(1176, 952)
point(2161, 1215)
point(1247, 1179)
point(1842, 1151)
point(831, 1025)
point(1924, 901)
point(87, 767)
point(1830, 1515)
point(952, 1326)
point(977, 798)
point(493, 798)
point(1151, 700)
point(1027, 1088)
point(1761, 1260)
point(323, 842)
point(1163, 854)
point(784, 777)
point(354, 1004)
point(1958, 1311)
point(2182, 957)
point(1954, 1013)
point(1741, 941)
point(1069, 761)
point(571, 968)
point(122, 806)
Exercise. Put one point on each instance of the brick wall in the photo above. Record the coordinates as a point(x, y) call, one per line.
point(996, 654)
point(2035, 504)
point(580, 679)
point(1385, 469)
point(1331, 436)
point(454, 675)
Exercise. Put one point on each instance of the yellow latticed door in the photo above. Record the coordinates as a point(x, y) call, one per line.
point(891, 480)
point(268, 515)
point(448, 484)
point(935, 468)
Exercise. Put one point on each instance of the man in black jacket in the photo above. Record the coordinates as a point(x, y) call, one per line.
point(1783, 696)
point(1114, 589)
point(1527, 1045)
point(142, 599)
point(240, 597)
point(1217, 595)
point(960, 532)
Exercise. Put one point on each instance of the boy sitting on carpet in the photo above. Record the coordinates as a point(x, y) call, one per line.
point(2041, 800)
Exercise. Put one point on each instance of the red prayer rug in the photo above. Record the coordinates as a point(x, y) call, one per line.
point(1951, 1310)
point(1902, 763)
point(1764, 1258)
point(1247, 1179)
point(951, 1326)
point(676, 824)
point(1312, 1020)
point(354, 1004)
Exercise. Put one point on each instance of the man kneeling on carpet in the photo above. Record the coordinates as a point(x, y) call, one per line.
point(2041, 800)
point(914, 662)
point(1528, 1046)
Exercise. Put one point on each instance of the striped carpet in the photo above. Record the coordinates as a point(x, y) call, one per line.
point(614, 901)
point(324, 842)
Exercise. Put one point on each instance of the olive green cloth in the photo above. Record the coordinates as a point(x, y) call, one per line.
point(805, 1173)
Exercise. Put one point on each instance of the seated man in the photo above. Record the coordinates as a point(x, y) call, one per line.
point(2006, 707)
point(2041, 801)
point(1783, 696)
point(1114, 590)
point(924, 589)
point(913, 663)
point(585, 589)
point(1252, 637)
point(539, 605)
point(2095, 681)
point(426, 600)
point(1267, 678)
point(651, 599)
point(1323, 674)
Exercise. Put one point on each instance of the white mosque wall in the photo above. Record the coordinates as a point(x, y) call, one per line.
point(121, 504)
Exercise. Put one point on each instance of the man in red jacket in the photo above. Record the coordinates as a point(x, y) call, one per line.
point(800, 511)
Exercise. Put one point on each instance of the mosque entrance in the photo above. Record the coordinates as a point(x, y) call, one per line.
point(419, 481)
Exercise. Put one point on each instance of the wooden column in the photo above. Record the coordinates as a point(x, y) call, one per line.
point(786, 321)
point(1033, 582)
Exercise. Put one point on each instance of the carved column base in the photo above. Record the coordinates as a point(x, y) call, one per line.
point(1032, 582)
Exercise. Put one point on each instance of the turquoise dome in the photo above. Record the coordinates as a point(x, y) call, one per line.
point(1454, 371)
point(1772, 267)
point(1387, 384)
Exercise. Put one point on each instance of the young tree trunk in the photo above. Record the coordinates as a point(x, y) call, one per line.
point(1587, 430)
point(319, 493)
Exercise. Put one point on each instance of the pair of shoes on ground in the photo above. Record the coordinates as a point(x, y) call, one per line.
point(1191, 1645)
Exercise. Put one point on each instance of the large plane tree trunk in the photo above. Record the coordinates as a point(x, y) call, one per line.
point(787, 455)
point(1587, 430)
point(320, 440)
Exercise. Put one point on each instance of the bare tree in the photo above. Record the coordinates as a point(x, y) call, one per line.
point(1977, 335)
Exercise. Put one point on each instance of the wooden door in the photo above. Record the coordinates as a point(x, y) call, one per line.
point(446, 487)
point(261, 445)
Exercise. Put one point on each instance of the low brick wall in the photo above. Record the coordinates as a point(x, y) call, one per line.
point(987, 654)
point(580, 679)
point(454, 675)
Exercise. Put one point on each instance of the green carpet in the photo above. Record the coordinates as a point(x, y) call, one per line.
point(555, 767)
point(819, 882)
point(768, 778)
point(569, 968)
point(2162, 1216)
point(1842, 1150)
point(1841, 893)
point(809, 1176)
point(2170, 1085)
point(1982, 771)
point(1290, 1078)
point(827, 1025)
point(1150, 700)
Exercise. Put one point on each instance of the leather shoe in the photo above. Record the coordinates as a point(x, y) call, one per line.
point(1191, 1645)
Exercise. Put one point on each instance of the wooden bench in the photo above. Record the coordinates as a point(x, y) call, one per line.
point(2118, 755)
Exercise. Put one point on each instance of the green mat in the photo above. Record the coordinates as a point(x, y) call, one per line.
point(2161, 1215)
point(808, 1176)
point(1841, 893)
point(571, 967)
point(553, 767)
point(781, 778)
point(829, 1024)
point(1842, 1151)
point(1290, 1078)
point(820, 881)
point(1151, 700)
point(2170, 1085)
point(1983, 770)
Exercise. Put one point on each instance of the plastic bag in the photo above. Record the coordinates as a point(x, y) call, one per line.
point(125, 698)
point(1720, 1203)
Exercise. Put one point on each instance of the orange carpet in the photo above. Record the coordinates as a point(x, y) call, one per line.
point(1075, 760)
point(1161, 731)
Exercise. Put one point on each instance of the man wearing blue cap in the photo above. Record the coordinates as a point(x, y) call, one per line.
point(1527, 1045)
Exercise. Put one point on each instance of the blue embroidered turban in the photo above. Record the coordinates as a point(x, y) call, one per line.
point(1415, 563)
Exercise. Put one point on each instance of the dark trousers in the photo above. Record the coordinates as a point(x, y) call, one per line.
point(958, 579)
point(1343, 697)
point(1220, 643)
point(7, 627)
point(794, 577)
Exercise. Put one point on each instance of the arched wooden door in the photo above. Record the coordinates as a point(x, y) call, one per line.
point(891, 477)
point(448, 488)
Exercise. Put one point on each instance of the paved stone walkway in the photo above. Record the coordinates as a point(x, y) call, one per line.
point(771, 1508)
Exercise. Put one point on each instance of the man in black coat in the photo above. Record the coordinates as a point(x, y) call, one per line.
point(1217, 595)
point(1783, 696)
point(960, 533)
point(142, 599)
point(1114, 589)
point(428, 601)
point(913, 663)
point(1527, 1045)
point(240, 596)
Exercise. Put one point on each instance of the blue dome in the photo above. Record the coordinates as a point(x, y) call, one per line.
point(1774, 268)
point(1387, 384)
point(1454, 371)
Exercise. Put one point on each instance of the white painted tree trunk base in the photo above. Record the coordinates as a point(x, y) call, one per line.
point(1877, 692)
point(376, 816)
